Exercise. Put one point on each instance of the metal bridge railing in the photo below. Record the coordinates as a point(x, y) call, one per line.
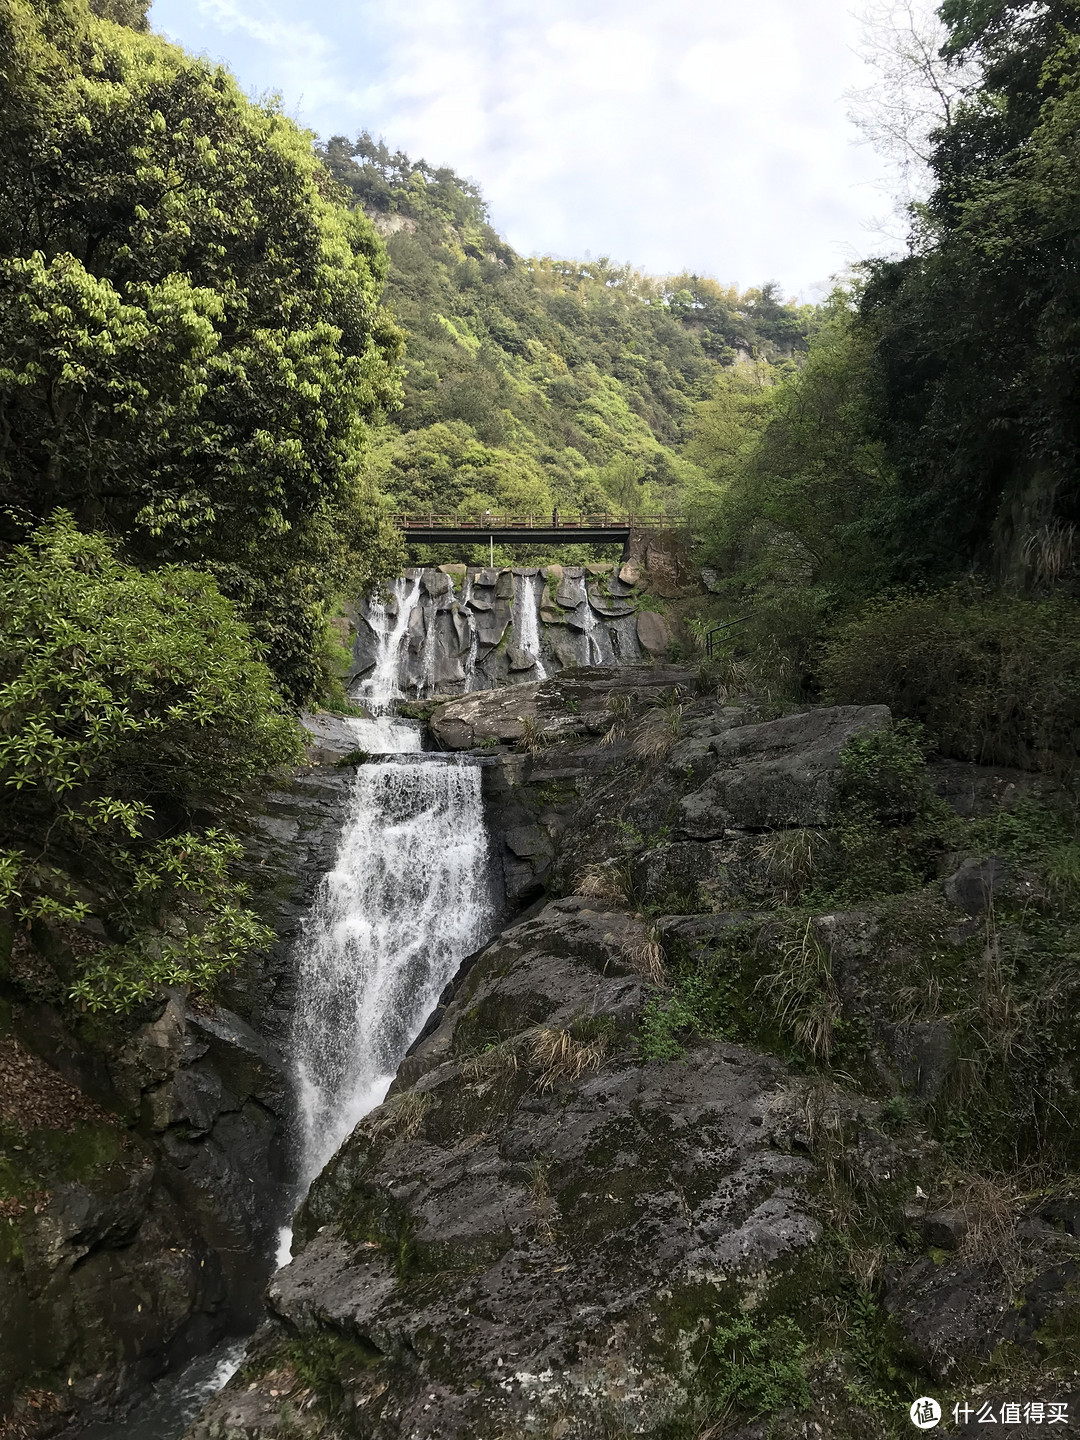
point(556, 521)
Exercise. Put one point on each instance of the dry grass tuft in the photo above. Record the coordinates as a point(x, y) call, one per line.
point(1051, 550)
point(401, 1116)
point(561, 1057)
point(619, 710)
point(604, 880)
point(804, 992)
point(791, 857)
point(534, 736)
point(543, 1201)
point(990, 1206)
point(648, 958)
point(659, 729)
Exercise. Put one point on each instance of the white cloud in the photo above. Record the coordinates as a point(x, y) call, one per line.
point(668, 132)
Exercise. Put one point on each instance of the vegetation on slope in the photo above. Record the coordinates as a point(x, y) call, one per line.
point(538, 383)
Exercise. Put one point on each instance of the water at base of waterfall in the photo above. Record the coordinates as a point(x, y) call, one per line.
point(175, 1400)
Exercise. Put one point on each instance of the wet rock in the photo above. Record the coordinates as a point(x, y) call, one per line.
point(491, 625)
point(570, 1230)
point(436, 583)
point(571, 590)
point(332, 737)
point(365, 648)
point(607, 606)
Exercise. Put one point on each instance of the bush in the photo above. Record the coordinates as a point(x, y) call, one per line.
point(128, 701)
point(994, 679)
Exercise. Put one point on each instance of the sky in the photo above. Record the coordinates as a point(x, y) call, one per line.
point(702, 135)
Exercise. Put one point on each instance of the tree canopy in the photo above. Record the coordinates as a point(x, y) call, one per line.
point(190, 333)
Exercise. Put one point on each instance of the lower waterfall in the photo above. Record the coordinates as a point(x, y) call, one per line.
point(407, 899)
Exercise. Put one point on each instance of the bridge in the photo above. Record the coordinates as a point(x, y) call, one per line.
point(556, 529)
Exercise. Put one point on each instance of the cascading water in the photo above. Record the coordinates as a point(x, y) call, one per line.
point(426, 685)
point(390, 626)
point(594, 653)
point(407, 899)
point(526, 621)
point(474, 639)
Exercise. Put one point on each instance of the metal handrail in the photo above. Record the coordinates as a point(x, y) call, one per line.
point(484, 523)
point(710, 638)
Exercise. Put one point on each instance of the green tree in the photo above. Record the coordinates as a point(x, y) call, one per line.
point(976, 382)
point(190, 338)
point(129, 702)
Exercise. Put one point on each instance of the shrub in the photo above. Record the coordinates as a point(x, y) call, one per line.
point(128, 702)
point(993, 678)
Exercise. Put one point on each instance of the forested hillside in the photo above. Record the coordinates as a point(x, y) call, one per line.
point(531, 383)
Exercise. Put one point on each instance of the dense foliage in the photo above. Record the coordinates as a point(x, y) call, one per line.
point(931, 433)
point(128, 702)
point(190, 337)
point(975, 378)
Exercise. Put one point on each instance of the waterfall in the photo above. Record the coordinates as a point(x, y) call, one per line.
point(526, 621)
point(594, 652)
point(407, 899)
point(474, 639)
point(426, 684)
point(383, 684)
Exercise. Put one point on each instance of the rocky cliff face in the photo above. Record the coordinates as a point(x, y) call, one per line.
point(664, 1159)
point(456, 629)
point(139, 1200)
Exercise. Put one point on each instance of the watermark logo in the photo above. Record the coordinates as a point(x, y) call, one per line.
point(925, 1413)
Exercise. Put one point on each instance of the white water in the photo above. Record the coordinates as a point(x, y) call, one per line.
point(381, 687)
point(407, 899)
point(474, 639)
point(426, 686)
point(527, 621)
point(176, 1399)
point(594, 654)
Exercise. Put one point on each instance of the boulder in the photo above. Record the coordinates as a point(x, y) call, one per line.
point(652, 632)
point(491, 624)
point(606, 605)
point(437, 582)
point(570, 591)
point(332, 737)
point(972, 888)
point(779, 773)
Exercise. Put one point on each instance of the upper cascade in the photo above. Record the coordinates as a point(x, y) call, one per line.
point(452, 629)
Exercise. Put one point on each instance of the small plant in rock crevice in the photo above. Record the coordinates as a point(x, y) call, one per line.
point(758, 1367)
